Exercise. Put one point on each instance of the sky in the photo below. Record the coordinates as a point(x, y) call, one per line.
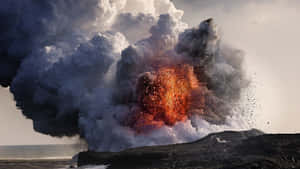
point(267, 31)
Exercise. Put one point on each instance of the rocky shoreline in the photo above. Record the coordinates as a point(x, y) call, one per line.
point(226, 150)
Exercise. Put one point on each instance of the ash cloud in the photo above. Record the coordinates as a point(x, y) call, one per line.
point(29, 24)
point(218, 65)
point(50, 83)
point(73, 66)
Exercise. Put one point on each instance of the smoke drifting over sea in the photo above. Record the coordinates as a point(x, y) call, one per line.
point(94, 68)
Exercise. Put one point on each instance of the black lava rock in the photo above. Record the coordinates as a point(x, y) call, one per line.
point(227, 150)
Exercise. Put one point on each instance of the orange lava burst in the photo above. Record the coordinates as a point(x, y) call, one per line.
point(164, 97)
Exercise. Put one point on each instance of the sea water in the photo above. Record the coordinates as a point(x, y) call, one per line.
point(40, 151)
point(39, 156)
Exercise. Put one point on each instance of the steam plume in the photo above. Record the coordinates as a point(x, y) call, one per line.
point(73, 68)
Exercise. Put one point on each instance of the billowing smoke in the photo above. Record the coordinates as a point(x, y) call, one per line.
point(90, 67)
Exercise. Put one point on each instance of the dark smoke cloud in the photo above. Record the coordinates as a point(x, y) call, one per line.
point(51, 82)
point(222, 64)
point(216, 64)
point(30, 24)
point(44, 42)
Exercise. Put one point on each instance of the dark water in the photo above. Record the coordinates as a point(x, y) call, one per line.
point(38, 156)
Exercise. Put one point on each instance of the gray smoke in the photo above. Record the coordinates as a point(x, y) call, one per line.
point(73, 68)
point(134, 27)
point(28, 25)
point(217, 64)
point(55, 80)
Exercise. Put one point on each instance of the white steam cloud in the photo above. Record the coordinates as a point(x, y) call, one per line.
point(73, 66)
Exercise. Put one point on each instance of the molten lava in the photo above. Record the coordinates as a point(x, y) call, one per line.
point(163, 97)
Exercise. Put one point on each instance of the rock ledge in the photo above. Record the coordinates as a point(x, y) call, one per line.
point(226, 150)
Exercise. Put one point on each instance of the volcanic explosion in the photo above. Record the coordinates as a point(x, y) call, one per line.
point(119, 73)
point(164, 97)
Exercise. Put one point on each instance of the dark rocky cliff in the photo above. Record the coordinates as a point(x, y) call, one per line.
point(227, 150)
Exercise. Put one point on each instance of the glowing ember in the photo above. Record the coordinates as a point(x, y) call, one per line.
point(164, 97)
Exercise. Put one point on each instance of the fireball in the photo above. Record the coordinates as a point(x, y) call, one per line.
point(164, 97)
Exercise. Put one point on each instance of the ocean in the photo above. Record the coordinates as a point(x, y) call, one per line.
point(39, 156)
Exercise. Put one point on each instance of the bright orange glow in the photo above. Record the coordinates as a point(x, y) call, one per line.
point(164, 97)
